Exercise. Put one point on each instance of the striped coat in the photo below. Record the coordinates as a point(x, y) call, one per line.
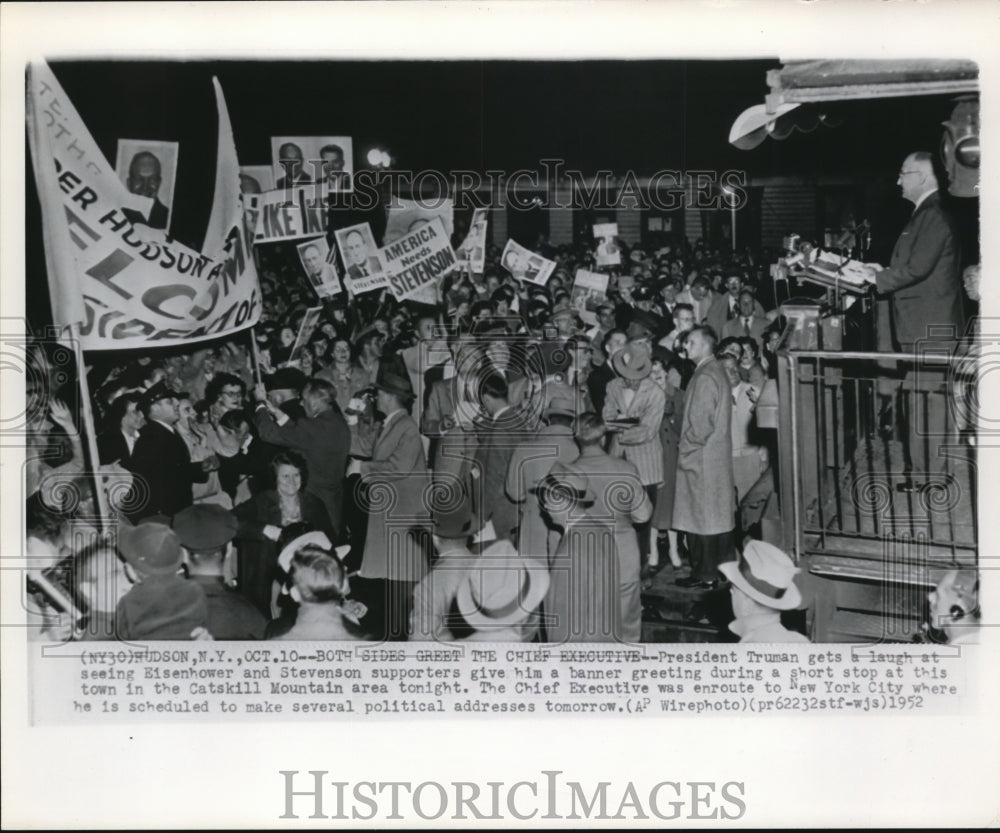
point(639, 445)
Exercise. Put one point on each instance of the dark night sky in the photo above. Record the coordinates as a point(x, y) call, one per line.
point(448, 115)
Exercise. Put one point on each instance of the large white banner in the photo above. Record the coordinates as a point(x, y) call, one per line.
point(121, 281)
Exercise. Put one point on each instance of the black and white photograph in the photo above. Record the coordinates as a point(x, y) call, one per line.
point(472, 251)
point(320, 266)
point(607, 252)
point(360, 256)
point(659, 415)
point(149, 169)
point(304, 160)
point(525, 265)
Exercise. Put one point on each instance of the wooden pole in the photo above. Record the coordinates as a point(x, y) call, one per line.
point(255, 352)
point(107, 522)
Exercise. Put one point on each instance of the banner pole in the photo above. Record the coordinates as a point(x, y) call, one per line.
point(255, 352)
point(90, 431)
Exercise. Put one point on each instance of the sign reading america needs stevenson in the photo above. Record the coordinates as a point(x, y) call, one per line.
point(418, 260)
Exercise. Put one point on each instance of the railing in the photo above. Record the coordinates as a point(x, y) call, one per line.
point(853, 481)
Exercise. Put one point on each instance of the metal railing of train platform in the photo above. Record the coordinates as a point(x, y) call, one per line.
point(856, 484)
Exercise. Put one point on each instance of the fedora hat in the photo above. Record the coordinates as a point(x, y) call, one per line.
point(394, 384)
point(151, 548)
point(204, 526)
point(560, 404)
point(766, 575)
point(632, 361)
point(501, 590)
point(637, 330)
point(286, 378)
point(563, 310)
point(456, 524)
point(314, 538)
point(566, 478)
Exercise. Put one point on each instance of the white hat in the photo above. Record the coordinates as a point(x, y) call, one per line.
point(501, 590)
point(315, 538)
point(766, 575)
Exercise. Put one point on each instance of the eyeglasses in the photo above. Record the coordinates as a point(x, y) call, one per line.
point(904, 173)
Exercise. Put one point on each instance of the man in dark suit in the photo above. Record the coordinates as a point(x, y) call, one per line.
point(747, 322)
point(321, 437)
point(924, 274)
point(124, 421)
point(292, 162)
point(923, 280)
point(356, 255)
point(144, 178)
point(499, 436)
point(598, 380)
point(161, 460)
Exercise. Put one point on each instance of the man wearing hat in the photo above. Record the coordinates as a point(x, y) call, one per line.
point(205, 532)
point(620, 504)
point(498, 596)
point(639, 401)
point(762, 585)
point(639, 332)
point(434, 594)
point(161, 603)
point(161, 460)
point(582, 600)
point(648, 311)
point(564, 318)
point(396, 479)
point(284, 387)
point(530, 461)
point(321, 437)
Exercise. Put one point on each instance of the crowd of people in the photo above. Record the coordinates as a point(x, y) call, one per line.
point(493, 467)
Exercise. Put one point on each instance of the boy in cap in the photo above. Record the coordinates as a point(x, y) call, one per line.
point(206, 532)
point(161, 604)
point(763, 585)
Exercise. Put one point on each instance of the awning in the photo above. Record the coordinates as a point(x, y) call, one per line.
point(799, 84)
